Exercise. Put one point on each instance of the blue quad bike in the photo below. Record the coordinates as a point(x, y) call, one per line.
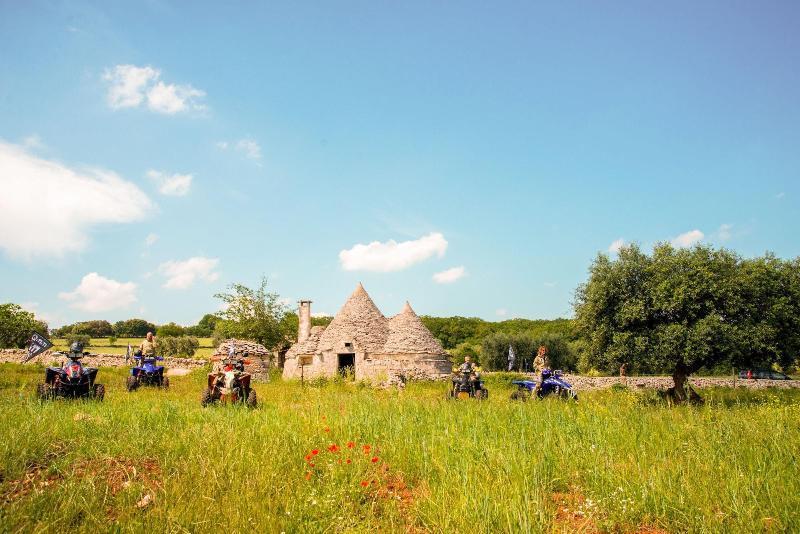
point(147, 373)
point(552, 385)
point(72, 380)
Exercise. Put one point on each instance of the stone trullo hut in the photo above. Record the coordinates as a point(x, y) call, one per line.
point(362, 341)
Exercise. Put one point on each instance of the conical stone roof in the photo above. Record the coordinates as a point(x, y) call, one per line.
point(309, 346)
point(408, 335)
point(359, 322)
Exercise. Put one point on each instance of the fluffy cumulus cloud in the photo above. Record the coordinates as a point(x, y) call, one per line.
point(391, 255)
point(59, 204)
point(97, 293)
point(130, 86)
point(450, 275)
point(616, 245)
point(183, 274)
point(687, 239)
point(174, 185)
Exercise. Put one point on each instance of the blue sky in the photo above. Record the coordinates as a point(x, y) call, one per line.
point(498, 145)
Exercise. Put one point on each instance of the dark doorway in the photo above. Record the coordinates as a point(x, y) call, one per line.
point(347, 365)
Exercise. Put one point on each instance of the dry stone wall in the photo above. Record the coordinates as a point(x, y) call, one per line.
point(93, 360)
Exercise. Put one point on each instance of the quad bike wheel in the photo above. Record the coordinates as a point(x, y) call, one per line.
point(165, 382)
point(568, 394)
point(44, 391)
point(205, 398)
point(462, 395)
point(131, 383)
point(520, 395)
point(252, 399)
point(482, 394)
point(99, 392)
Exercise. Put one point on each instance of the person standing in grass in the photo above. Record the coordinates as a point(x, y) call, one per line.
point(540, 363)
point(148, 346)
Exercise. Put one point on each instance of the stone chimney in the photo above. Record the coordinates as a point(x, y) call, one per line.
point(304, 312)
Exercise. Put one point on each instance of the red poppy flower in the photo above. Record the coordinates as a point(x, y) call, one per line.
point(374, 459)
point(308, 475)
point(366, 449)
point(311, 465)
point(315, 452)
point(327, 429)
point(349, 461)
point(350, 444)
point(364, 483)
point(339, 461)
point(324, 418)
point(308, 457)
point(334, 448)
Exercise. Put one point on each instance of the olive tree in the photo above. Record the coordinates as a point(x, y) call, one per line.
point(682, 310)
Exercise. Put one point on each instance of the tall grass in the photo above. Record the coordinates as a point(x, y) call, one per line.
point(615, 461)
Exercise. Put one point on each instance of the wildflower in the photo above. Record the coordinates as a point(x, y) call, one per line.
point(311, 465)
point(308, 457)
point(333, 448)
point(327, 429)
point(366, 449)
point(350, 444)
point(315, 452)
point(364, 483)
point(308, 475)
point(374, 459)
point(349, 461)
point(324, 418)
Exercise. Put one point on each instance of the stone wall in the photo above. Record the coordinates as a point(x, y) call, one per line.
point(93, 360)
point(588, 383)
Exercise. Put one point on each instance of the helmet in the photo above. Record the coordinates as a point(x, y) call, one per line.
point(76, 346)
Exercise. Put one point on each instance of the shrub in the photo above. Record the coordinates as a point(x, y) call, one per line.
point(178, 346)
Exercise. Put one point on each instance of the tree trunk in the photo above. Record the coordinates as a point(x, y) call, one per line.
point(682, 392)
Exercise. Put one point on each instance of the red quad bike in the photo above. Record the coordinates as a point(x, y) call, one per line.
point(71, 380)
point(230, 384)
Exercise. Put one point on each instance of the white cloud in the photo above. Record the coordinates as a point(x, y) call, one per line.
point(249, 147)
point(171, 98)
point(687, 239)
point(724, 233)
point(391, 255)
point(130, 86)
point(58, 205)
point(616, 245)
point(182, 274)
point(174, 185)
point(150, 239)
point(450, 275)
point(501, 312)
point(96, 293)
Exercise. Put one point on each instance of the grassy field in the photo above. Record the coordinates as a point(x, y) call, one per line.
point(617, 461)
point(103, 345)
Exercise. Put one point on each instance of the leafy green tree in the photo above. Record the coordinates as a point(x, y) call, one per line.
point(254, 314)
point(171, 346)
point(170, 330)
point(682, 310)
point(133, 328)
point(112, 340)
point(17, 326)
point(204, 327)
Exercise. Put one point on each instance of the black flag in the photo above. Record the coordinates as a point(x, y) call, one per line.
point(37, 345)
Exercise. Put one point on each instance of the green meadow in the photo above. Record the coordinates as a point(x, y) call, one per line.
point(617, 461)
point(103, 345)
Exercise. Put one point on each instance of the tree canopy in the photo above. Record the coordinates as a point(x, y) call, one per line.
point(681, 310)
point(254, 314)
point(17, 326)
